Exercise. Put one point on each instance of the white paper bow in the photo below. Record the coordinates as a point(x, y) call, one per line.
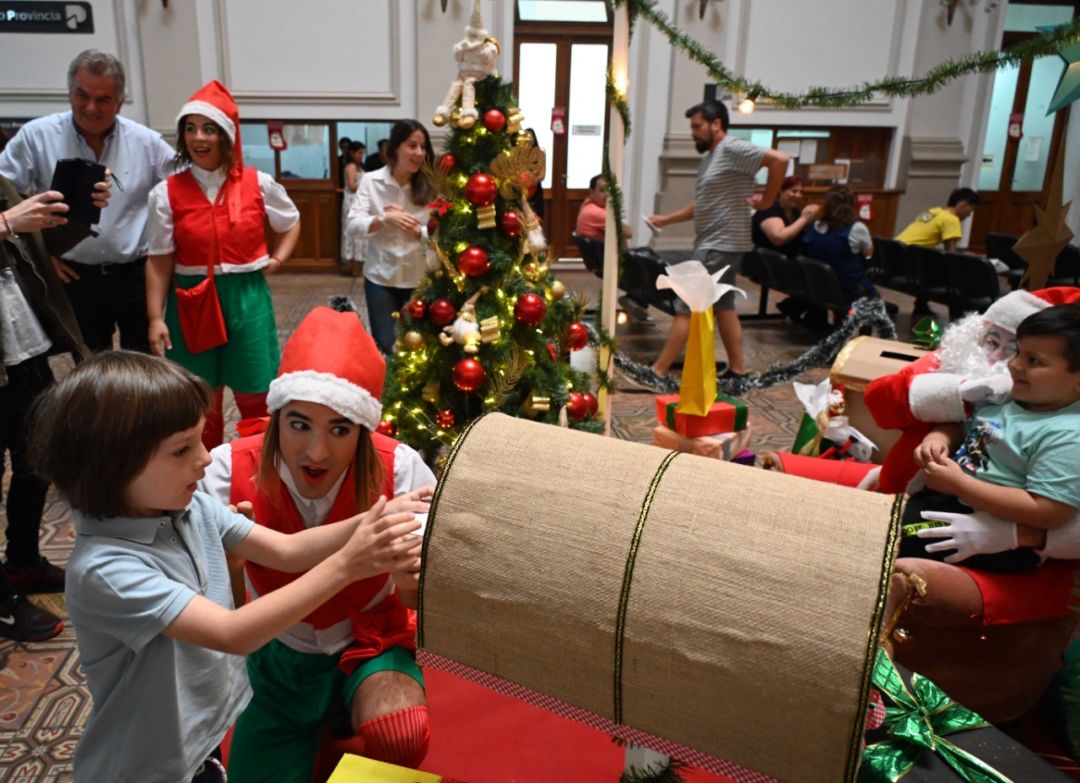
point(692, 283)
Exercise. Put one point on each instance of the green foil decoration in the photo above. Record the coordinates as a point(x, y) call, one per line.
point(927, 333)
point(919, 722)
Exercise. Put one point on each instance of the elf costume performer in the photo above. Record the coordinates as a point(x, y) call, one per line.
point(352, 660)
point(968, 369)
point(208, 302)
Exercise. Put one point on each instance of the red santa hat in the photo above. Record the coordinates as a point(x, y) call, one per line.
point(1008, 311)
point(331, 360)
point(214, 100)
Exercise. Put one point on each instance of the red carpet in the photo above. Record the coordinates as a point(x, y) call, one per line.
point(480, 736)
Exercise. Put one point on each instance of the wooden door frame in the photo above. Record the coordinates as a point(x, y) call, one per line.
point(561, 203)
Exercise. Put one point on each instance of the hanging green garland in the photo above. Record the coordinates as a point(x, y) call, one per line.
point(831, 97)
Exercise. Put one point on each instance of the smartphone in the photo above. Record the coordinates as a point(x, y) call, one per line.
point(75, 178)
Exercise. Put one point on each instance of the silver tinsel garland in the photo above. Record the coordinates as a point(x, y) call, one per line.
point(864, 313)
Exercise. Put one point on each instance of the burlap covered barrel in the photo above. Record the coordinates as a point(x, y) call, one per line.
point(727, 610)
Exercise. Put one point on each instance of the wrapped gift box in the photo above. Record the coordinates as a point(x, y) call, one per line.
point(925, 717)
point(357, 769)
point(724, 445)
point(727, 414)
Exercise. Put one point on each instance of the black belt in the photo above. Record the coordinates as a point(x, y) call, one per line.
point(107, 269)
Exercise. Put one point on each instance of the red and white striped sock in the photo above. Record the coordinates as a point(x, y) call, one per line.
point(398, 738)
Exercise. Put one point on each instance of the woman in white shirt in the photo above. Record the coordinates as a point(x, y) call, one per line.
point(207, 249)
point(391, 213)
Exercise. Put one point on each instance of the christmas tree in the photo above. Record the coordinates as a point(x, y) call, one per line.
point(490, 328)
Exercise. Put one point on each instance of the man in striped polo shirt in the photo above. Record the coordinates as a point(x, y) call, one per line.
point(721, 212)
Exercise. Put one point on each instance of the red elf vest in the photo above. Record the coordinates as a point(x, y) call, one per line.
point(198, 225)
point(389, 624)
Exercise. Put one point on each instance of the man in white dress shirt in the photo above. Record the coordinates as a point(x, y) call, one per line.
point(104, 275)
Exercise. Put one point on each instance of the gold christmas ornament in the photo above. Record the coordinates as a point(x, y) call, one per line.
point(412, 340)
point(438, 120)
point(431, 391)
point(558, 290)
point(536, 404)
point(517, 171)
point(514, 121)
point(489, 329)
point(485, 216)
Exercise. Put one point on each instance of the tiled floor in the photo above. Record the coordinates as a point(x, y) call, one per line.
point(43, 701)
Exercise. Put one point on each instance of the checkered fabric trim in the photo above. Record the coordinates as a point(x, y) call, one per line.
point(875, 713)
point(692, 757)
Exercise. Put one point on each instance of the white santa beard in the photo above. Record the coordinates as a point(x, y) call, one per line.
point(961, 350)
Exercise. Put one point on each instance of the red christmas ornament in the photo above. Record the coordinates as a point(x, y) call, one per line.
point(494, 120)
point(469, 375)
point(592, 404)
point(553, 352)
point(530, 309)
point(528, 183)
point(473, 261)
point(447, 161)
point(446, 418)
point(417, 309)
point(387, 428)
point(576, 406)
point(510, 223)
point(442, 312)
point(577, 336)
point(480, 190)
point(432, 226)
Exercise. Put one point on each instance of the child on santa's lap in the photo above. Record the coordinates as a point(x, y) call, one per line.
point(1018, 460)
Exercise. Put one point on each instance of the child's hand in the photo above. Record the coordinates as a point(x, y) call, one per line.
point(409, 577)
point(381, 542)
point(417, 501)
point(244, 507)
point(934, 448)
point(945, 476)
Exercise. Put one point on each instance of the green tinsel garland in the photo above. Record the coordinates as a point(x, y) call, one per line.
point(894, 86)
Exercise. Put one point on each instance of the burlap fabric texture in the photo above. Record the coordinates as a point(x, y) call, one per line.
point(731, 610)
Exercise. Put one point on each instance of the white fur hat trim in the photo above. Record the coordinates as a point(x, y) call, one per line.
point(213, 112)
point(353, 402)
point(1008, 311)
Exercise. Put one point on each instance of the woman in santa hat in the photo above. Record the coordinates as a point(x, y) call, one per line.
point(207, 299)
point(320, 461)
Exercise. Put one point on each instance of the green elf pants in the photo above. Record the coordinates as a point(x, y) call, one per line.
point(249, 360)
point(277, 738)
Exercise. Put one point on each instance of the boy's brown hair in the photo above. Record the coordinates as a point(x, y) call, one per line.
point(97, 428)
point(1061, 321)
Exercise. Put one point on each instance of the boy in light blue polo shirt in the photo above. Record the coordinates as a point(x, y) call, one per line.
point(148, 586)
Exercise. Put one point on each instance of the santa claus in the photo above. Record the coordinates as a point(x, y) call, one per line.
point(969, 369)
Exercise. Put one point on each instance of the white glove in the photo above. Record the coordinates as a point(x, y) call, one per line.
point(977, 533)
point(1062, 543)
point(994, 389)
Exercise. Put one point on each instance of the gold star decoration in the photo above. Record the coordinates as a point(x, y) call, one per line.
point(1041, 244)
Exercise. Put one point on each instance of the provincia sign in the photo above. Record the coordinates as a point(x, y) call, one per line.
point(46, 17)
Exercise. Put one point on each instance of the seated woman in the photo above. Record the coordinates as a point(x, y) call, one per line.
point(842, 242)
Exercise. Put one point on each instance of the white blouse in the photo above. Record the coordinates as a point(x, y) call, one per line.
point(281, 212)
point(394, 258)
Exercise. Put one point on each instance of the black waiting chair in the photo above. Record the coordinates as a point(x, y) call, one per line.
point(893, 265)
point(754, 268)
point(1066, 267)
point(931, 275)
point(974, 282)
point(1000, 246)
point(785, 273)
point(592, 253)
point(822, 284)
point(641, 267)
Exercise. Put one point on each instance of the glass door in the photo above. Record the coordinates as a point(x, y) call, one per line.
point(560, 74)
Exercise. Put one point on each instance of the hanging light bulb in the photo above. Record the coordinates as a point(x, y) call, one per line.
point(747, 104)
